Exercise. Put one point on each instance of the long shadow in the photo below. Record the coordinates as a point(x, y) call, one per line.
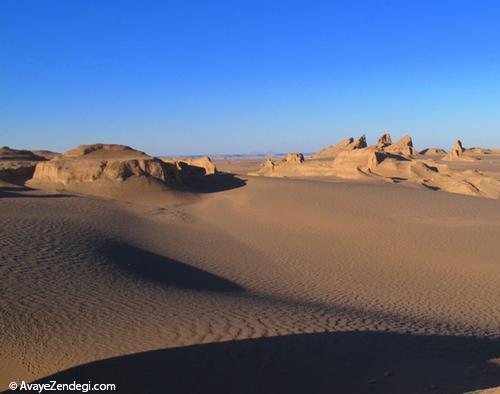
point(212, 183)
point(343, 362)
point(165, 271)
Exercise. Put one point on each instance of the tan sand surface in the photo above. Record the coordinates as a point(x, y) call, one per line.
point(252, 284)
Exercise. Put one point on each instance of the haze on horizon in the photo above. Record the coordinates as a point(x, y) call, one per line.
point(226, 77)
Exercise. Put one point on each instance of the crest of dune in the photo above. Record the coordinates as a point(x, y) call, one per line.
point(344, 145)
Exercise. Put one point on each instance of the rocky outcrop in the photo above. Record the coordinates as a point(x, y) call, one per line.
point(17, 166)
point(67, 171)
point(457, 153)
point(384, 141)
point(479, 151)
point(193, 166)
point(291, 162)
point(402, 147)
point(104, 151)
point(102, 163)
point(344, 145)
point(46, 154)
point(294, 158)
point(433, 152)
point(395, 163)
point(9, 154)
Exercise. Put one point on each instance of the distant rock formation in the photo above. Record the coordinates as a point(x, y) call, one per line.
point(402, 147)
point(395, 163)
point(46, 154)
point(479, 151)
point(344, 145)
point(7, 153)
point(17, 166)
point(295, 158)
point(290, 162)
point(384, 141)
point(457, 153)
point(433, 152)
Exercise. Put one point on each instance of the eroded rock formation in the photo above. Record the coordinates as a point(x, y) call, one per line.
point(17, 166)
point(344, 145)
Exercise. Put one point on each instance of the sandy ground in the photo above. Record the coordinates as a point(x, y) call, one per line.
point(266, 285)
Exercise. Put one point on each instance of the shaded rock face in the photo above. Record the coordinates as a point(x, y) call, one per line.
point(384, 140)
point(17, 166)
point(344, 145)
point(402, 147)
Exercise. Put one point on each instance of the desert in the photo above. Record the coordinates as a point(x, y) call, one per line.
point(250, 197)
point(363, 271)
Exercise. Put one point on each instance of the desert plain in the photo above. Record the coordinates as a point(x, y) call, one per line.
point(358, 269)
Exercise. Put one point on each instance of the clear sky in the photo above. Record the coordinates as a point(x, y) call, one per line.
point(192, 77)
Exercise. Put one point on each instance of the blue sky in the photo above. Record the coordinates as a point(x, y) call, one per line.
point(192, 77)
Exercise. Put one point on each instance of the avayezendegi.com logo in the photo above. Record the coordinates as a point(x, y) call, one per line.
point(54, 386)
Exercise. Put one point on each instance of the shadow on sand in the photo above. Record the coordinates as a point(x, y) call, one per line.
point(20, 192)
point(344, 362)
point(165, 271)
point(217, 182)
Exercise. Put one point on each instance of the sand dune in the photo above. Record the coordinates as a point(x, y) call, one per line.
point(255, 284)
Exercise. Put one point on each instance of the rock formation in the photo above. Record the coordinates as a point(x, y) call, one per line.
point(344, 145)
point(402, 147)
point(479, 151)
point(294, 158)
point(384, 141)
point(102, 163)
point(395, 163)
point(433, 152)
point(193, 166)
point(46, 154)
point(291, 162)
point(17, 166)
point(457, 153)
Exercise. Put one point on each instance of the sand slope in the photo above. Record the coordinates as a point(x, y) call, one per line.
point(347, 280)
